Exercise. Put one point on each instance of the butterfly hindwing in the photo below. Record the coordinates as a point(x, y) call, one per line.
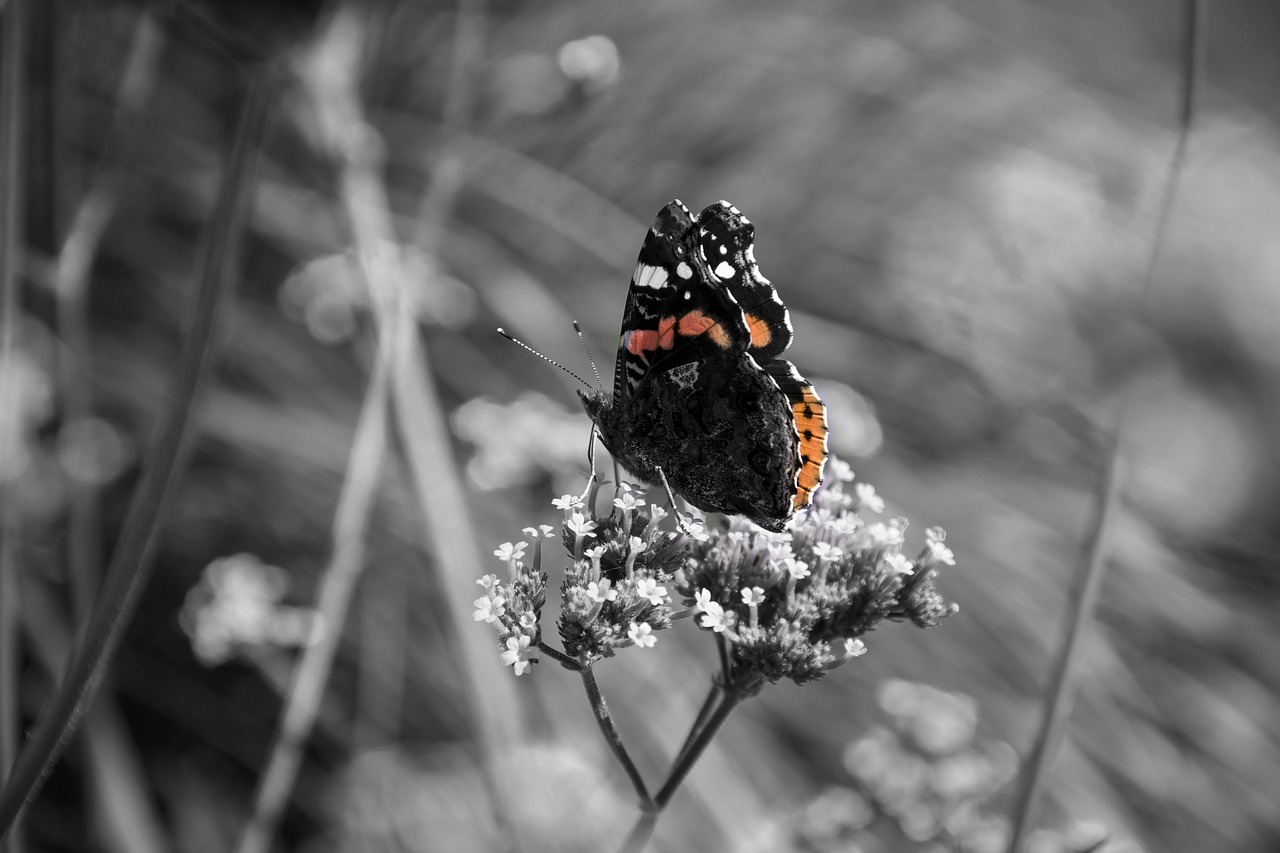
point(809, 416)
point(727, 244)
point(674, 314)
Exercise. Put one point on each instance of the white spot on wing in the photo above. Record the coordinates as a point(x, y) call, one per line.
point(684, 271)
point(651, 277)
point(725, 270)
point(724, 250)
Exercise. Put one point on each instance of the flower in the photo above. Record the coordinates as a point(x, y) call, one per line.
point(542, 531)
point(489, 609)
point(509, 553)
point(602, 591)
point(867, 497)
point(648, 588)
point(518, 654)
point(567, 502)
point(936, 552)
point(489, 582)
point(753, 597)
point(713, 617)
point(827, 551)
point(854, 648)
point(702, 600)
point(839, 471)
point(579, 525)
point(628, 502)
point(797, 569)
point(642, 635)
point(898, 564)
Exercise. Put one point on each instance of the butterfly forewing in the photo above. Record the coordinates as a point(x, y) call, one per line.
point(727, 243)
point(672, 318)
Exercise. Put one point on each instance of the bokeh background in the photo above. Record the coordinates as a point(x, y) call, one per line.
point(958, 202)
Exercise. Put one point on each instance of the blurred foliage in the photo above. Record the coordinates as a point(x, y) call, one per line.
point(955, 200)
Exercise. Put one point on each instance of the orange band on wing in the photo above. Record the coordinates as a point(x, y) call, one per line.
point(761, 334)
point(811, 422)
point(696, 323)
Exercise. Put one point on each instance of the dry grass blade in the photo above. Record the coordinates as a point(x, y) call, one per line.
point(139, 538)
point(11, 253)
point(1058, 699)
point(364, 468)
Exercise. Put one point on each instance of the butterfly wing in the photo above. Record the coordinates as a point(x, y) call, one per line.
point(726, 243)
point(676, 312)
point(809, 417)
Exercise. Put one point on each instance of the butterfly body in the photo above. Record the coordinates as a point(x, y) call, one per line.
point(698, 390)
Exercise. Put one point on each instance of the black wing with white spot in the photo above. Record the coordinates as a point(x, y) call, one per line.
point(726, 243)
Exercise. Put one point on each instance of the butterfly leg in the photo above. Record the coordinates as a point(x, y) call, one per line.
point(671, 496)
point(591, 461)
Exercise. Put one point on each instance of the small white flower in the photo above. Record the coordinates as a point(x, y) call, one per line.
point(529, 620)
point(579, 525)
point(898, 564)
point(509, 553)
point(648, 588)
point(627, 502)
point(642, 635)
point(839, 470)
point(713, 617)
point(854, 648)
point(737, 537)
point(827, 551)
point(753, 597)
point(868, 498)
point(517, 654)
point(702, 600)
point(601, 591)
point(657, 513)
point(935, 534)
point(798, 569)
point(637, 544)
point(489, 582)
point(567, 502)
point(489, 609)
point(695, 528)
point(939, 553)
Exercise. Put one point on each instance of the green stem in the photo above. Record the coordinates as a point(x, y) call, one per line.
point(135, 551)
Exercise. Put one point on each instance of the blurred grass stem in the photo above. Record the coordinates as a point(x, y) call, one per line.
point(135, 551)
point(337, 585)
point(1058, 700)
point(12, 239)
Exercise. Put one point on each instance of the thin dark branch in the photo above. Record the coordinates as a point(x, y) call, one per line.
point(605, 720)
point(704, 713)
point(1084, 600)
point(131, 562)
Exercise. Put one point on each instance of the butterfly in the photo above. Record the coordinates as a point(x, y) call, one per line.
point(700, 398)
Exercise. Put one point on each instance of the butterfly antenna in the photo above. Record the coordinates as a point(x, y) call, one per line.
point(550, 361)
point(587, 350)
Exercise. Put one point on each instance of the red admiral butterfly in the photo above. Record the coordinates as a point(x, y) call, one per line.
point(698, 392)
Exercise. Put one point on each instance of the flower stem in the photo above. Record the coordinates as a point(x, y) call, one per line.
point(560, 657)
point(704, 713)
point(610, 732)
point(642, 831)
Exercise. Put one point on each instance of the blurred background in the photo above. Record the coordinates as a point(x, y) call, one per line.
point(958, 203)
